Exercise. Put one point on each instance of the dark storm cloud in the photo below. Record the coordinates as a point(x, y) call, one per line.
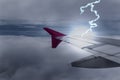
point(54, 10)
point(27, 58)
point(42, 11)
point(61, 12)
point(109, 24)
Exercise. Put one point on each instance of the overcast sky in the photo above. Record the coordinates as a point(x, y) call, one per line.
point(63, 13)
point(56, 10)
point(30, 58)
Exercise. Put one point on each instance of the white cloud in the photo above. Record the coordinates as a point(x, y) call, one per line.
point(28, 58)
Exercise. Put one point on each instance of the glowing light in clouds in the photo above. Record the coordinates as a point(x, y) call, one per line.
point(75, 37)
point(78, 33)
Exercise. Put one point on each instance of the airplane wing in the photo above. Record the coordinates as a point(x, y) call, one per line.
point(105, 55)
point(106, 51)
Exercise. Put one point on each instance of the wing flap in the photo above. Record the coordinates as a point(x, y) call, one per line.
point(95, 62)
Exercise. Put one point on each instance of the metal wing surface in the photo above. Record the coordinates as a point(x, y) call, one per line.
point(106, 54)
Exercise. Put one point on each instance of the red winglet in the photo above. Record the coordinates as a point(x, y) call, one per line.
point(54, 34)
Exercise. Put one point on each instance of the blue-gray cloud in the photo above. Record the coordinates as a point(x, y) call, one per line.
point(55, 10)
point(61, 12)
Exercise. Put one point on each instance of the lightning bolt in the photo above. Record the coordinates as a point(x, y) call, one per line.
point(92, 22)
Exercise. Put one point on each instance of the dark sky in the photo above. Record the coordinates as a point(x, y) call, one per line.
point(31, 58)
point(55, 10)
point(62, 13)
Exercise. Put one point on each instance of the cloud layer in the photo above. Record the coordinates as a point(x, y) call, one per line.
point(27, 58)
